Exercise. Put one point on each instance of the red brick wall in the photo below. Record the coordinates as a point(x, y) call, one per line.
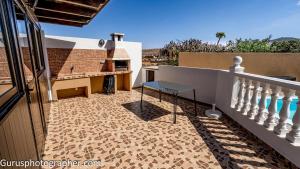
point(27, 62)
point(4, 69)
point(61, 61)
point(83, 60)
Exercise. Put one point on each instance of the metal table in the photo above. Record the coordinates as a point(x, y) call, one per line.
point(169, 88)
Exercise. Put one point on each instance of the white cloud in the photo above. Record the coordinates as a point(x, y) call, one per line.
point(298, 3)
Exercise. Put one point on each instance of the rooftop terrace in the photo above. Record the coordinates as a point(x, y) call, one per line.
point(112, 128)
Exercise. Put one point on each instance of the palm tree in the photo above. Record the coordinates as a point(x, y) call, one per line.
point(220, 35)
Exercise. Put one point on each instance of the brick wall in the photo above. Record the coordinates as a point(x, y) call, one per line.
point(61, 61)
point(4, 69)
point(84, 60)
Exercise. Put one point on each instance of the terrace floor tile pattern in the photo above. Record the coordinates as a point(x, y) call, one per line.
point(114, 130)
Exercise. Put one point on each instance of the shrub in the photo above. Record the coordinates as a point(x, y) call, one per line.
point(286, 46)
point(249, 45)
point(173, 48)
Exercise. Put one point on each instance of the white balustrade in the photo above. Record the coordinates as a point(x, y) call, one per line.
point(241, 94)
point(281, 128)
point(294, 135)
point(247, 98)
point(254, 105)
point(273, 127)
point(262, 110)
point(271, 120)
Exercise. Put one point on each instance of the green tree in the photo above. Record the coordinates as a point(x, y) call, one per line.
point(220, 35)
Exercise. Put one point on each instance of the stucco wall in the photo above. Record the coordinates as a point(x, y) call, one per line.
point(134, 50)
point(268, 64)
point(203, 80)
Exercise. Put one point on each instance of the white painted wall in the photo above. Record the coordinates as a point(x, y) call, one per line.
point(73, 42)
point(212, 85)
point(48, 74)
point(203, 80)
point(134, 50)
point(150, 68)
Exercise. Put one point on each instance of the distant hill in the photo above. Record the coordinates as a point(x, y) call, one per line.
point(151, 52)
point(284, 39)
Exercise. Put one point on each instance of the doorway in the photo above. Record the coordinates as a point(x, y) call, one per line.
point(150, 75)
point(31, 69)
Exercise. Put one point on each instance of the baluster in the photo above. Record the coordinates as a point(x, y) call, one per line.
point(263, 111)
point(281, 128)
point(271, 120)
point(254, 105)
point(235, 92)
point(240, 102)
point(247, 98)
point(294, 135)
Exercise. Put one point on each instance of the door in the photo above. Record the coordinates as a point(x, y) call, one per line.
point(150, 75)
point(30, 70)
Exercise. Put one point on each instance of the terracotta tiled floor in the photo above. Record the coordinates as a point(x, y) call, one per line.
point(112, 129)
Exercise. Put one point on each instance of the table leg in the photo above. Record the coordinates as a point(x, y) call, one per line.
point(175, 109)
point(159, 95)
point(141, 104)
point(195, 103)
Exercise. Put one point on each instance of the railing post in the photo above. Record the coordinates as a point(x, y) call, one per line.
point(271, 120)
point(241, 94)
point(236, 68)
point(281, 128)
point(294, 135)
point(254, 105)
point(263, 111)
point(247, 98)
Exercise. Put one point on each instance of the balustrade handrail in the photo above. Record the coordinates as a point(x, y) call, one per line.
point(270, 80)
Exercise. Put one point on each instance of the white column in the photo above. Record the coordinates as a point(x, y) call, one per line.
point(236, 68)
point(294, 135)
point(254, 105)
point(247, 98)
point(263, 111)
point(281, 128)
point(271, 120)
point(241, 94)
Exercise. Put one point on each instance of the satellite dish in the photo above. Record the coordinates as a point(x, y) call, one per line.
point(101, 42)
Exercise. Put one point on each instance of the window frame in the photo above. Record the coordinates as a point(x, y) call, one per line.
point(9, 98)
point(36, 44)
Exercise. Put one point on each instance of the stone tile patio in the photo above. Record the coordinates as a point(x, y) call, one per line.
point(112, 129)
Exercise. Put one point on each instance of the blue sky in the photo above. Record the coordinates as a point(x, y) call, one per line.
point(156, 22)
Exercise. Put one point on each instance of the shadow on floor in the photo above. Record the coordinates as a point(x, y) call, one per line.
point(149, 111)
point(232, 145)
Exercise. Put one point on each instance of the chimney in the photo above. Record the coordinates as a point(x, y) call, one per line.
point(117, 37)
point(117, 51)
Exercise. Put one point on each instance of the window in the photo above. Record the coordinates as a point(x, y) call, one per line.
point(6, 81)
point(37, 46)
point(24, 44)
point(39, 40)
point(10, 77)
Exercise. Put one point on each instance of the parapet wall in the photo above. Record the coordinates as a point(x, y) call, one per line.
point(268, 64)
